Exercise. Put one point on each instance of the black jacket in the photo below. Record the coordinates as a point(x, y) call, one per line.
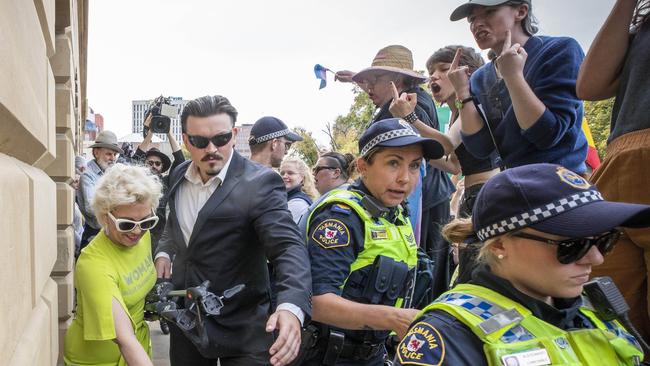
point(243, 223)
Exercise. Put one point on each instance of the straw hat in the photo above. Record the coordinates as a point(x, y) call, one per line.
point(395, 58)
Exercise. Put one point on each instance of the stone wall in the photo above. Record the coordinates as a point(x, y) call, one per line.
point(42, 104)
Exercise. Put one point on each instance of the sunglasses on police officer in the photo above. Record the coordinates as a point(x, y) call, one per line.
point(202, 142)
point(126, 225)
point(571, 250)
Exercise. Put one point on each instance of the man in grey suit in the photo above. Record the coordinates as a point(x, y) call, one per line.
point(227, 217)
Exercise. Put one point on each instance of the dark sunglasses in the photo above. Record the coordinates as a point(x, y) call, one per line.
point(571, 250)
point(202, 142)
point(154, 163)
point(317, 169)
point(126, 225)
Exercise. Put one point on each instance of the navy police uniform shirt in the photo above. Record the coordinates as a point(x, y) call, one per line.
point(437, 338)
point(335, 238)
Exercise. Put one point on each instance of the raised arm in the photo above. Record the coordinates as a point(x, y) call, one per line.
point(599, 74)
point(405, 104)
point(146, 143)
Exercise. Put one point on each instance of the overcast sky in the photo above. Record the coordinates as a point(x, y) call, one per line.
point(260, 54)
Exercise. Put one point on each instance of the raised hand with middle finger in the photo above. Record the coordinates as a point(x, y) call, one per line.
point(512, 59)
point(402, 105)
point(459, 76)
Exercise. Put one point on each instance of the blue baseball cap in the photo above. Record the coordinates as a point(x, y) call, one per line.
point(269, 128)
point(552, 199)
point(395, 132)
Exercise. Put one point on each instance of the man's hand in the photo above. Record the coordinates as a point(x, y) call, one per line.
point(344, 76)
point(402, 105)
point(147, 121)
point(459, 77)
point(403, 320)
point(163, 267)
point(512, 59)
point(286, 347)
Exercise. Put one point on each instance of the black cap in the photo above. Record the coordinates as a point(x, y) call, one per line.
point(395, 132)
point(552, 199)
point(269, 128)
point(166, 162)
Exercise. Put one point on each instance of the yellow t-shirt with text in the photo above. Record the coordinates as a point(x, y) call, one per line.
point(104, 271)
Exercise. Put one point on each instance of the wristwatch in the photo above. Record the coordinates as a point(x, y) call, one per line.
point(460, 103)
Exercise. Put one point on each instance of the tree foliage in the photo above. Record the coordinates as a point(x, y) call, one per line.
point(307, 149)
point(598, 116)
point(346, 130)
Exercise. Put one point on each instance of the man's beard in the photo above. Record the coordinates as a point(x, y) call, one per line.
point(216, 170)
point(104, 164)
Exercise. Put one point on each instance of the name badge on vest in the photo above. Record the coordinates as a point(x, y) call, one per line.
point(537, 357)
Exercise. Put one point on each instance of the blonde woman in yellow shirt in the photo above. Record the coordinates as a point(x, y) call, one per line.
point(115, 272)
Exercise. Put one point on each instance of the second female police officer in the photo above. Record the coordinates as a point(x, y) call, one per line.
point(542, 228)
point(363, 251)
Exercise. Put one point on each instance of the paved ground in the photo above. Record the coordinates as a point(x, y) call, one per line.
point(160, 345)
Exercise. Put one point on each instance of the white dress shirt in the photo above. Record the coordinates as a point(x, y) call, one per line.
point(190, 199)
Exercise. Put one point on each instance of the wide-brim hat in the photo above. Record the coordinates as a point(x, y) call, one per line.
point(108, 140)
point(268, 128)
point(395, 132)
point(395, 58)
point(166, 161)
point(551, 199)
point(465, 10)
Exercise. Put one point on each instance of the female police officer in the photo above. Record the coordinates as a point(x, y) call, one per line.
point(363, 250)
point(543, 227)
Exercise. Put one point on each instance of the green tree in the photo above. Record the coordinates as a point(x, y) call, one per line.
point(307, 149)
point(346, 130)
point(598, 115)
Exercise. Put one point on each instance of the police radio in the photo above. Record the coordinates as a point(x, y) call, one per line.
point(609, 304)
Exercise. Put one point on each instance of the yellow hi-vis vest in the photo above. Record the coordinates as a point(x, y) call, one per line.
point(506, 328)
point(381, 237)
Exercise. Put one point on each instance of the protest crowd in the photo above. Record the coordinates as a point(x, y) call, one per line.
point(494, 242)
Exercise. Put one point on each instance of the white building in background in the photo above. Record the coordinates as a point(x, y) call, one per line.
point(141, 106)
point(241, 145)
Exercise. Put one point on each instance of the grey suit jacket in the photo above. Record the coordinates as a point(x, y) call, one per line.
point(244, 223)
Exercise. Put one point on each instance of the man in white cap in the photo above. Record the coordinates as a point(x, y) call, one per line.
point(105, 152)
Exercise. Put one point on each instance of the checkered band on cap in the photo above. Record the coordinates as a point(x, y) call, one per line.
point(270, 136)
point(385, 137)
point(538, 214)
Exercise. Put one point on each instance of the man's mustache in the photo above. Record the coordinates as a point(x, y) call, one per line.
point(215, 156)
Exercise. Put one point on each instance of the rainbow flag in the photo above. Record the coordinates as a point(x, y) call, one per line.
point(592, 154)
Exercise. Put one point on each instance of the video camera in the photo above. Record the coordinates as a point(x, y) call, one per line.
point(201, 303)
point(161, 111)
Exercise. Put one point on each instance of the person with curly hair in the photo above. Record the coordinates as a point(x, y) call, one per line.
point(115, 272)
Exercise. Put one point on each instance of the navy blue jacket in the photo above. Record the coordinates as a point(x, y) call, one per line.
point(551, 71)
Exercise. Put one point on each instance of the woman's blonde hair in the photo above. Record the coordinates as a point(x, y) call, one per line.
point(308, 186)
point(458, 230)
point(125, 185)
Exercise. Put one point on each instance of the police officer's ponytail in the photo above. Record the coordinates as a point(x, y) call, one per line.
point(460, 231)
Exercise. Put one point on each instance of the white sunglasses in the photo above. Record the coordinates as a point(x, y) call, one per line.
point(126, 225)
